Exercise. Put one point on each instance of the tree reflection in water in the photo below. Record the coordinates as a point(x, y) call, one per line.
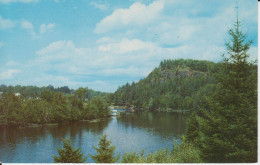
point(133, 132)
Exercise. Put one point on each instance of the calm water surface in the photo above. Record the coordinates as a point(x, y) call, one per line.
point(134, 132)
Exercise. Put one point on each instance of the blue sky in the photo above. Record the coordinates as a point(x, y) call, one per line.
point(102, 44)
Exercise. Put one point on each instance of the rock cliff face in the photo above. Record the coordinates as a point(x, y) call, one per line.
point(185, 72)
point(163, 74)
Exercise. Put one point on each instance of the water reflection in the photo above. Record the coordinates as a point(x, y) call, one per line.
point(133, 132)
point(31, 145)
point(164, 123)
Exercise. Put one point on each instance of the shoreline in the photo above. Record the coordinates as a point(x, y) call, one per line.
point(33, 125)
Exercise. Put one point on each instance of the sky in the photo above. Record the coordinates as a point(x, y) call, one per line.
point(103, 44)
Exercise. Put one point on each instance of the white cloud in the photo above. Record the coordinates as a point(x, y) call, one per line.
point(101, 5)
point(46, 27)
point(43, 28)
point(9, 74)
point(6, 23)
point(132, 57)
point(11, 64)
point(104, 40)
point(126, 45)
point(107, 59)
point(57, 46)
point(28, 26)
point(22, 1)
point(137, 14)
point(128, 71)
point(173, 22)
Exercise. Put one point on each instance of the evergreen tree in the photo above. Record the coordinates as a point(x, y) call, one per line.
point(192, 133)
point(229, 128)
point(105, 152)
point(68, 154)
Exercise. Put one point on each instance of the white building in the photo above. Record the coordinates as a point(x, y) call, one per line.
point(17, 94)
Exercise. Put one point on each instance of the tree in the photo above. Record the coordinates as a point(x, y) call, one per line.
point(229, 128)
point(80, 93)
point(192, 133)
point(64, 89)
point(102, 106)
point(68, 154)
point(10, 109)
point(91, 111)
point(60, 107)
point(47, 95)
point(105, 152)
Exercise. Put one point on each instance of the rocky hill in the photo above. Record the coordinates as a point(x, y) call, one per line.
point(174, 85)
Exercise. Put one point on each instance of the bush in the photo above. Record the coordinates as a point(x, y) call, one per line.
point(181, 153)
point(186, 153)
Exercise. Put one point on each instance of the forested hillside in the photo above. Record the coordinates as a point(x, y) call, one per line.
point(175, 84)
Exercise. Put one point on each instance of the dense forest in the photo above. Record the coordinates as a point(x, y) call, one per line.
point(29, 105)
point(175, 84)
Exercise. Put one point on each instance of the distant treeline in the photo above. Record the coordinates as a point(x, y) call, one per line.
point(34, 91)
point(44, 105)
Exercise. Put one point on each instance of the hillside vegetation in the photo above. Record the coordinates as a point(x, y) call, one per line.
point(175, 84)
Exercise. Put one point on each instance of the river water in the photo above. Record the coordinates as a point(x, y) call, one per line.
point(133, 132)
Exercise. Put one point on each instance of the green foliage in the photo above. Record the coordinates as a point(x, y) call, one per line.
point(47, 95)
point(36, 111)
point(96, 108)
point(81, 93)
point(33, 91)
point(68, 154)
point(102, 106)
point(175, 84)
point(50, 107)
point(64, 89)
point(131, 157)
point(161, 156)
point(186, 153)
point(105, 152)
point(91, 111)
point(60, 108)
point(182, 153)
point(10, 109)
point(193, 132)
point(229, 128)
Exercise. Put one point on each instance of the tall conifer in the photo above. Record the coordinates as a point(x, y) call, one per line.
point(68, 154)
point(229, 128)
point(105, 151)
